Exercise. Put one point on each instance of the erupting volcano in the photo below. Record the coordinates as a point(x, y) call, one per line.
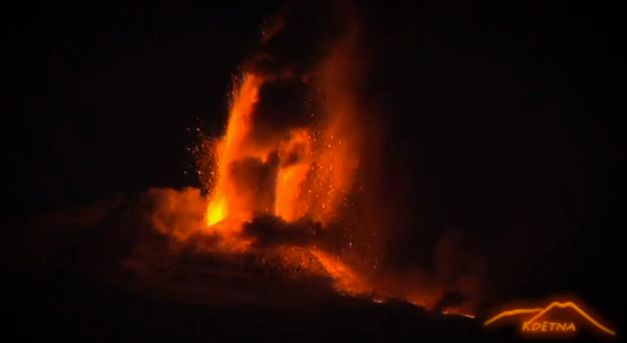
point(299, 172)
point(327, 170)
point(293, 163)
point(289, 180)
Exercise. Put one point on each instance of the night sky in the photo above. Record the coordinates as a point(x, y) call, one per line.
point(502, 122)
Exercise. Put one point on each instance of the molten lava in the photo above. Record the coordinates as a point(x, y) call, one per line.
point(299, 173)
point(226, 199)
point(307, 170)
point(282, 176)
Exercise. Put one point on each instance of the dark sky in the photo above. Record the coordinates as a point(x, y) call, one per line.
point(102, 95)
point(502, 119)
point(505, 121)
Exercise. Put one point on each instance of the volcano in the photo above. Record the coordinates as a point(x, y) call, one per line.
point(311, 170)
point(109, 257)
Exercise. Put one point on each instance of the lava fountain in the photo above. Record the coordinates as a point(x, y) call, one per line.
point(298, 166)
point(289, 177)
point(307, 169)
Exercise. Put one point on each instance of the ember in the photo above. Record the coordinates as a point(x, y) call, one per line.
point(288, 176)
point(285, 171)
point(330, 170)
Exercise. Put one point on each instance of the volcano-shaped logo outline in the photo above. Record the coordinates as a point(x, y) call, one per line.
point(539, 312)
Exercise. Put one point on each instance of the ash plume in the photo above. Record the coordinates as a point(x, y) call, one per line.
point(304, 163)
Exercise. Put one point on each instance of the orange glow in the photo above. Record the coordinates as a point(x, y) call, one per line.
point(539, 312)
point(547, 326)
point(292, 175)
point(452, 312)
point(316, 165)
point(224, 201)
point(346, 280)
point(216, 211)
point(300, 171)
point(310, 168)
point(510, 313)
point(339, 141)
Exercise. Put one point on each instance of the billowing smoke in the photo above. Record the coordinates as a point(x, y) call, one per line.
point(304, 166)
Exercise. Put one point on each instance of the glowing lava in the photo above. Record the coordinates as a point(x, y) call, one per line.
point(225, 199)
point(298, 165)
point(297, 172)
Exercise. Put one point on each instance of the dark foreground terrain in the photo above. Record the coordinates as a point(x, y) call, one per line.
point(70, 278)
